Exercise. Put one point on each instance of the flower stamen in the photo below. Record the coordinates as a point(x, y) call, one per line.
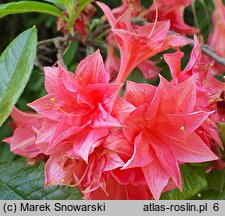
point(156, 18)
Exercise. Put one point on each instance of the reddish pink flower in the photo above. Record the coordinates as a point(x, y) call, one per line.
point(78, 105)
point(162, 130)
point(172, 11)
point(216, 37)
point(138, 43)
point(26, 126)
point(208, 88)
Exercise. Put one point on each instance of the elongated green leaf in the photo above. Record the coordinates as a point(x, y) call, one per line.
point(21, 181)
point(16, 64)
point(216, 180)
point(29, 6)
point(69, 57)
point(194, 180)
point(63, 2)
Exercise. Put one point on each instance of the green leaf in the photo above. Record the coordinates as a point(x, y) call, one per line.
point(16, 63)
point(193, 179)
point(137, 76)
point(207, 195)
point(19, 181)
point(5, 153)
point(221, 195)
point(216, 179)
point(29, 6)
point(69, 56)
point(63, 2)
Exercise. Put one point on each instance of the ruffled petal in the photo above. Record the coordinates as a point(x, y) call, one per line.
point(192, 150)
point(92, 70)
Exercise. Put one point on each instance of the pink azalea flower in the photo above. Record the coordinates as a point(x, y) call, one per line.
point(138, 43)
point(162, 130)
point(208, 88)
point(78, 105)
point(23, 140)
point(216, 37)
point(172, 11)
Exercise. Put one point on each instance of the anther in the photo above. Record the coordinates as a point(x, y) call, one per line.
point(53, 100)
point(182, 128)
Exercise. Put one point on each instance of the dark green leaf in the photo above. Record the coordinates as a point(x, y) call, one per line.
point(206, 195)
point(193, 179)
point(221, 195)
point(69, 57)
point(21, 181)
point(16, 64)
point(5, 154)
point(216, 180)
point(29, 6)
point(137, 76)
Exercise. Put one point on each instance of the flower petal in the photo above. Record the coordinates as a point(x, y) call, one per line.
point(23, 141)
point(92, 70)
point(117, 142)
point(138, 94)
point(182, 124)
point(142, 154)
point(104, 119)
point(180, 98)
point(87, 140)
point(55, 173)
point(51, 79)
point(108, 13)
point(164, 153)
point(192, 150)
point(174, 62)
point(156, 178)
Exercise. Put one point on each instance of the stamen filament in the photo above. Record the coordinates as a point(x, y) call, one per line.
point(156, 18)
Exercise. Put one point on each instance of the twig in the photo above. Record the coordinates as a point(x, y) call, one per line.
point(60, 43)
point(52, 41)
point(100, 30)
point(209, 52)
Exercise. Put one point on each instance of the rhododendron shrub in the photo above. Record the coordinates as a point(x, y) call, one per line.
point(110, 137)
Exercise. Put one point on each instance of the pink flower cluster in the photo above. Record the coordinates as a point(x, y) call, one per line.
point(123, 148)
